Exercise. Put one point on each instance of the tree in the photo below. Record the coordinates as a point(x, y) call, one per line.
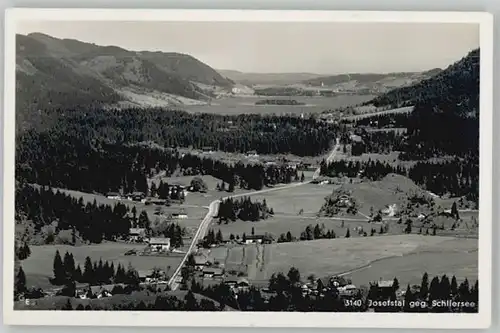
point(231, 186)
point(59, 271)
point(289, 237)
point(219, 238)
point(454, 211)
point(68, 305)
point(20, 282)
point(69, 266)
point(424, 286)
point(348, 234)
point(144, 220)
point(253, 231)
point(78, 276)
point(191, 262)
point(88, 272)
point(134, 216)
point(445, 287)
point(293, 275)
point(302, 177)
point(434, 289)
point(408, 299)
point(395, 284)
point(454, 286)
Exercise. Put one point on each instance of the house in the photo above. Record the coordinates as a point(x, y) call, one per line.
point(136, 234)
point(159, 244)
point(242, 284)
point(179, 214)
point(213, 272)
point(102, 291)
point(390, 210)
point(385, 287)
point(344, 201)
point(201, 262)
point(252, 153)
point(145, 276)
point(347, 290)
point(158, 202)
point(137, 196)
point(113, 196)
point(259, 239)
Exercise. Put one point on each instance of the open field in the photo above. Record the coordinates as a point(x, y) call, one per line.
point(308, 197)
point(246, 105)
point(363, 259)
point(457, 257)
point(38, 266)
point(246, 159)
point(296, 225)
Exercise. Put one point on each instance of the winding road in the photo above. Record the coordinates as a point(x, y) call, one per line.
point(213, 209)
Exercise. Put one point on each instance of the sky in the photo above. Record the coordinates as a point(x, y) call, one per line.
point(284, 47)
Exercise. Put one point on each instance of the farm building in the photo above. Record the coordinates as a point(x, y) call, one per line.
point(347, 290)
point(201, 262)
point(181, 214)
point(390, 210)
point(252, 153)
point(159, 244)
point(113, 196)
point(150, 275)
point(259, 239)
point(136, 196)
point(136, 234)
point(385, 287)
point(213, 272)
point(103, 291)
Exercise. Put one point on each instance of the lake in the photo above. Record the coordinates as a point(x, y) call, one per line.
point(246, 104)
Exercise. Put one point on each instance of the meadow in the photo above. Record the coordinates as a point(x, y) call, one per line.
point(194, 211)
point(38, 267)
point(406, 257)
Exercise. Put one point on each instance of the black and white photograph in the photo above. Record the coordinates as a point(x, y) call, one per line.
point(289, 165)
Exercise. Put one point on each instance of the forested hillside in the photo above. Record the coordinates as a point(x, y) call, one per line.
point(68, 74)
point(446, 114)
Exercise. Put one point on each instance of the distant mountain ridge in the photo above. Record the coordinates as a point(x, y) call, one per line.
point(67, 73)
point(251, 79)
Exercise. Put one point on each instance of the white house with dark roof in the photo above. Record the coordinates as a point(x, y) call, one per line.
point(159, 244)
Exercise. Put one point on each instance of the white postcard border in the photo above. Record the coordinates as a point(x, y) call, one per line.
point(253, 319)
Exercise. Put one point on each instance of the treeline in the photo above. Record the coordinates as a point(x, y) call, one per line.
point(394, 120)
point(66, 161)
point(309, 233)
point(373, 170)
point(266, 134)
point(243, 209)
point(446, 114)
point(94, 273)
point(91, 222)
point(458, 177)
